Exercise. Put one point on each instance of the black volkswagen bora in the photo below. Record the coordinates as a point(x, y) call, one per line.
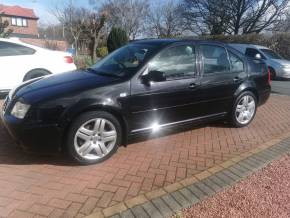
point(144, 86)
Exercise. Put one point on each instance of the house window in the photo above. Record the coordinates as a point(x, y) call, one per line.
point(18, 21)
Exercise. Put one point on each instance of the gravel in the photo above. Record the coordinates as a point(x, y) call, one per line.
point(264, 194)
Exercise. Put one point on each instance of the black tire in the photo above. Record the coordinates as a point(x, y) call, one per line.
point(235, 122)
point(82, 119)
point(35, 74)
point(272, 73)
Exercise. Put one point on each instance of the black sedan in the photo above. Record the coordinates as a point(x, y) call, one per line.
point(142, 87)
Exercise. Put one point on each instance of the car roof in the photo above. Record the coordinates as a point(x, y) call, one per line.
point(244, 46)
point(171, 41)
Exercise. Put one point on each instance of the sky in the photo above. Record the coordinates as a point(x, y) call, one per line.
point(43, 8)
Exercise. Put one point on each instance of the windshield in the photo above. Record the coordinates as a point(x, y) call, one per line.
point(271, 54)
point(124, 61)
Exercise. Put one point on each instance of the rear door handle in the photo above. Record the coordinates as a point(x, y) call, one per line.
point(193, 85)
point(237, 79)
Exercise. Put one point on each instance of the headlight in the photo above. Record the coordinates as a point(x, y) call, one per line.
point(19, 110)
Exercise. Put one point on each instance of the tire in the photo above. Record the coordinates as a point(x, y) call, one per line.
point(35, 74)
point(87, 137)
point(243, 113)
point(272, 73)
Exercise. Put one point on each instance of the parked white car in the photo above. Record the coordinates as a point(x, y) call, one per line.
point(21, 61)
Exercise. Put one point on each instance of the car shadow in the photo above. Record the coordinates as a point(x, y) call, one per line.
point(13, 154)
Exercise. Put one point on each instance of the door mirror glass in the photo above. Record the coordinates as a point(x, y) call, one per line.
point(258, 56)
point(154, 76)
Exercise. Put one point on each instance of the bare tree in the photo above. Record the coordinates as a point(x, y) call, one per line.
point(233, 16)
point(127, 14)
point(73, 20)
point(164, 20)
point(92, 27)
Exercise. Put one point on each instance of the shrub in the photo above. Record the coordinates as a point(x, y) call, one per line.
point(102, 52)
point(116, 39)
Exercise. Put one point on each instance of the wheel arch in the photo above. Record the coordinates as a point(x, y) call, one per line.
point(35, 70)
point(115, 112)
point(247, 87)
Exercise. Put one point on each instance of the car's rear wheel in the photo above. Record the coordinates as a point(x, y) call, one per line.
point(35, 74)
point(272, 73)
point(244, 109)
point(94, 137)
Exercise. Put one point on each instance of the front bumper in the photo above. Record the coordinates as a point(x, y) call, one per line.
point(36, 137)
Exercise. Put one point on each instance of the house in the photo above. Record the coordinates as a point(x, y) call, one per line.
point(23, 21)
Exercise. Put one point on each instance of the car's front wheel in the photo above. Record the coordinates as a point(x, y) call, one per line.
point(244, 109)
point(94, 137)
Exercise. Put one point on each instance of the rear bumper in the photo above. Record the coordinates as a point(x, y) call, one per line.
point(34, 136)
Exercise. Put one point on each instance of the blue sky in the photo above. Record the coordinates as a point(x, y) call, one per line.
point(43, 8)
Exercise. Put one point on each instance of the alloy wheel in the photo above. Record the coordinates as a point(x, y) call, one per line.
point(95, 139)
point(245, 109)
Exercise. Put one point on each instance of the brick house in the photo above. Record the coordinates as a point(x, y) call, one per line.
point(23, 21)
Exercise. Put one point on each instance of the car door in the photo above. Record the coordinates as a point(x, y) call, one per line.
point(223, 71)
point(171, 101)
point(15, 61)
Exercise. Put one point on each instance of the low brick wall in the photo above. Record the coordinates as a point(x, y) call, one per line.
point(44, 43)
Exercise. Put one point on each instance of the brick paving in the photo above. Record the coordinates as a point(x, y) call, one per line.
point(33, 185)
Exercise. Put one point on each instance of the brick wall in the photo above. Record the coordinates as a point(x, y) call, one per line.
point(44, 43)
point(31, 28)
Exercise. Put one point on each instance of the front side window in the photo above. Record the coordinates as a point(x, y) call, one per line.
point(215, 59)
point(11, 49)
point(124, 61)
point(237, 65)
point(271, 54)
point(176, 62)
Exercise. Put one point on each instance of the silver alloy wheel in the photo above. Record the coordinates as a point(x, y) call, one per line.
point(95, 139)
point(245, 109)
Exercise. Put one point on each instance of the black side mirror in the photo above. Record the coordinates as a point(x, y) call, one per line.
point(154, 76)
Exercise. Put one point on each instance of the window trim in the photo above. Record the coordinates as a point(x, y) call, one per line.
point(190, 43)
point(202, 60)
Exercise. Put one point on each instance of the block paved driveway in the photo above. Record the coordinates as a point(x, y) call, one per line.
point(33, 185)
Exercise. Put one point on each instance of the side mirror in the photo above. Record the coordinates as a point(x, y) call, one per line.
point(258, 56)
point(153, 76)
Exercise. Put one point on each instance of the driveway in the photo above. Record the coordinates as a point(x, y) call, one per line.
point(281, 87)
point(33, 185)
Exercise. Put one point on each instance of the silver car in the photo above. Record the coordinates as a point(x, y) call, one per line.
point(278, 66)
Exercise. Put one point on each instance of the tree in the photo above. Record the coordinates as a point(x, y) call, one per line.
point(92, 27)
point(4, 32)
point(164, 20)
point(127, 14)
point(73, 20)
point(233, 16)
point(116, 39)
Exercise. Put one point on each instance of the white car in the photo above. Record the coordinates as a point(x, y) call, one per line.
point(21, 61)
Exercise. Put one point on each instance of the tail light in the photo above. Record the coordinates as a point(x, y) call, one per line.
point(68, 59)
point(269, 76)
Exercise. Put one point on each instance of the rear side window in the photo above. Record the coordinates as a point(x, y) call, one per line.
point(215, 59)
point(176, 62)
point(237, 65)
point(11, 49)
